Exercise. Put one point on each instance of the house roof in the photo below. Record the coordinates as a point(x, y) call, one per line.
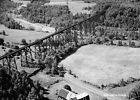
point(66, 94)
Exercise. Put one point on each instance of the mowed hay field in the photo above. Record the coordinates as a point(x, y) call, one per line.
point(104, 64)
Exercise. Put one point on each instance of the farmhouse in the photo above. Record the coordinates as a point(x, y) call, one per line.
point(68, 95)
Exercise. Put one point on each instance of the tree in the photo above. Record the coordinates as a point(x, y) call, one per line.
point(67, 87)
point(119, 43)
point(23, 41)
point(132, 44)
point(1, 41)
point(98, 40)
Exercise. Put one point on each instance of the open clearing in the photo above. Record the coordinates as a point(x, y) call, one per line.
point(35, 26)
point(15, 35)
point(104, 64)
point(74, 6)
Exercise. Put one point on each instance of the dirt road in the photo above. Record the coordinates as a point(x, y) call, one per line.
point(78, 83)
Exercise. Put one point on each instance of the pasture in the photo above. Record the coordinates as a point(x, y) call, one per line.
point(100, 64)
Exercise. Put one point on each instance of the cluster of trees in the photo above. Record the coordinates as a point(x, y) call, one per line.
point(41, 1)
point(122, 1)
point(5, 7)
point(67, 20)
point(116, 15)
point(9, 22)
point(1, 41)
point(34, 12)
point(55, 15)
point(116, 36)
point(16, 85)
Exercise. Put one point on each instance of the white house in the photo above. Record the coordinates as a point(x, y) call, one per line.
point(68, 95)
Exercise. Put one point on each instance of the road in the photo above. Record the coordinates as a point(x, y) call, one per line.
point(89, 88)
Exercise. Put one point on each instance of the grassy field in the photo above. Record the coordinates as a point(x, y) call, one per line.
point(123, 90)
point(74, 6)
point(34, 26)
point(17, 35)
point(21, 1)
point(104, 64)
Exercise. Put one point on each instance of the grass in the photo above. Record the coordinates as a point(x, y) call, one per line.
point(74, 6)
point(100, 64)
point(123, 90)
point(17, 35)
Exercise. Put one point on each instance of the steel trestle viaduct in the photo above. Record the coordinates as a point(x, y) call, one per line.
point(58, 43)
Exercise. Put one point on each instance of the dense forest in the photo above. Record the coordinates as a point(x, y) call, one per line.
point(57, 16)
point(118, 15)
point(34, 12)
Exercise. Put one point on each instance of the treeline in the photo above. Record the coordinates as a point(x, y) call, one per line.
point(43, 1)
point(55, 15)
point(7, 6)
point(9, 22)
point(121, 1)
point(117, 15)
point(34, 12)
point(67, 20)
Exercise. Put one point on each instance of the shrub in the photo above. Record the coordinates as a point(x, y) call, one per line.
point(119, 43)
point(23, 41)
point(122, 83)
point(98, 40)
point(31, 28)
point(67, 87)
point(12, 24)
point(1, 41)
point(134, 94)
point(132, 44)
point(113, 85)
point(16, 47)
point(131, 80)
point(3, 47)
point(105, 98)
point(7, 44)
point(125, 44)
